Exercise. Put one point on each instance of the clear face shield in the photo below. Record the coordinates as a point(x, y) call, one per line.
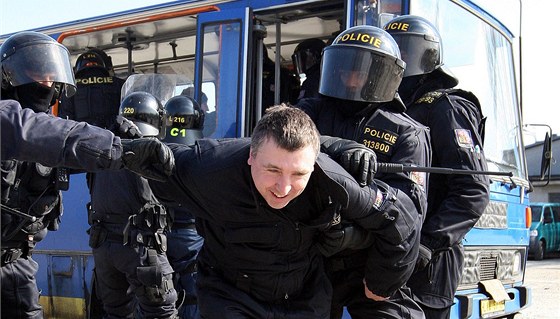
point(420, 52)
point(355, 74)
point(43, 63)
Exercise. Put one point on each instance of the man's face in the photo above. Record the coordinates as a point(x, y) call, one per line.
point(281, 175)
point(354, 80)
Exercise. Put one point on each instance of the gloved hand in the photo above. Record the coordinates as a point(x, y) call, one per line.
point(148, 157)
point(424, 258)
point(357, 159)
point(348, 236)
point(125, 128)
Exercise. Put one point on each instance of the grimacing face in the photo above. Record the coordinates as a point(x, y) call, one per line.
point(280, 175)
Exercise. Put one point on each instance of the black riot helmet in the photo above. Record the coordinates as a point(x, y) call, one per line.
point(307, 54)
point(362, 64)
point(420, 44)
point(146, 111)
point(33, 58)
point(90, 60)
point(185, 119)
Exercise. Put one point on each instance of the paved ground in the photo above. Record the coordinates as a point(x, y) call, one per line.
point(544, 279)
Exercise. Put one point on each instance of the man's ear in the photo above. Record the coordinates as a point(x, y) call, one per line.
point(250, 159)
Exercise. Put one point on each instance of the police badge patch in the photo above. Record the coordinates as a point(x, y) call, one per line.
point(464, 138)
point(379, 198)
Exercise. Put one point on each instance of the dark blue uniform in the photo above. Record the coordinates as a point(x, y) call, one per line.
point(184, 243)
point(310, 87)
point(129, 242)
point(97, 98)
point(455, 202)
point(395, 138)
point(31, 197)
point(261, 262)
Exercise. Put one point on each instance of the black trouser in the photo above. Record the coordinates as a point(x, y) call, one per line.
point(219, 299)
point(119, 286)
point(20, 295)
point(434, 287)
point(348, 291)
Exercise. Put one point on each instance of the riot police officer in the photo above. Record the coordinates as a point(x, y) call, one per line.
point(360, 73)
point(98, 94)
point(184, 126)
point(35, 71)
point(128, 231)
point(455, 202)
point(307, 60)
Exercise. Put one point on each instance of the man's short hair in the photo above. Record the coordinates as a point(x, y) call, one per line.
point(291, 128)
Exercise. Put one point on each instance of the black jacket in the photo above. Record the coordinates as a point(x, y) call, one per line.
point(267, 252)
point(39, 137)
point(395, 138)
point(456, 202)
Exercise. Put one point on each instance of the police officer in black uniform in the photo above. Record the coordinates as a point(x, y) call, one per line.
point(184, 126)
point(127, 234)
point(35, 71)
point(98, 93)
point(289, 83)
point(260, 205)
point(455, 202)
point(360, 73)
point(307, 60)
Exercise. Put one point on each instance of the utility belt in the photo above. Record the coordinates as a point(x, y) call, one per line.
point(12, 251)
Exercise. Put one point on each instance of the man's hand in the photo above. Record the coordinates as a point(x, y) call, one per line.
point(148, 157)
point(371, 295)
point(357, 159)
point(125, 128)
point(360, 162)
point(349, 236)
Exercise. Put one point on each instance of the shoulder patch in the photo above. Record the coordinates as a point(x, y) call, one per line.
point(464, 138)
point(419, 178)
point(379, 198)
point(429, 97)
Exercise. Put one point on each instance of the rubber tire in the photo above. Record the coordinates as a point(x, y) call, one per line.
point(539, 252)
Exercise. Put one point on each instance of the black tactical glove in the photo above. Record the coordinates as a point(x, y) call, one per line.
point(424, 258)
point(357, 159)
point(148, 157)
point(346, 237)
point(125, 128)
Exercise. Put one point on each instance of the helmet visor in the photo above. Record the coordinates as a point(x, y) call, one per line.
point(355, 74)
point(422, 56)
point(40, 63)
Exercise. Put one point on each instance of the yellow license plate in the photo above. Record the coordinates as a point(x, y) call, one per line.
point(490, 307)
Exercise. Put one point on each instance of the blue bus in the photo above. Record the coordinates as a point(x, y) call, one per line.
point(217, 45)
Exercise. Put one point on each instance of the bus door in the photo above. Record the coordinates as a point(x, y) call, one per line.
point(222, 68)
point(375, 13)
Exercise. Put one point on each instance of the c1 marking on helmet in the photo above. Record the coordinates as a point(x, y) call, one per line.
point(397, 26)
point(464, 138)
point(361, 37)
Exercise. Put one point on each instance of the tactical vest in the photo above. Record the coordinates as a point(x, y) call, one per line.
point(96, 101)
point(31, 200)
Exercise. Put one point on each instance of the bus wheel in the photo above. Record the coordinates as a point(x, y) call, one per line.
point(539, 252)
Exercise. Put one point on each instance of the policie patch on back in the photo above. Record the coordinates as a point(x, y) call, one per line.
point(379, 140)
point(464, 138)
